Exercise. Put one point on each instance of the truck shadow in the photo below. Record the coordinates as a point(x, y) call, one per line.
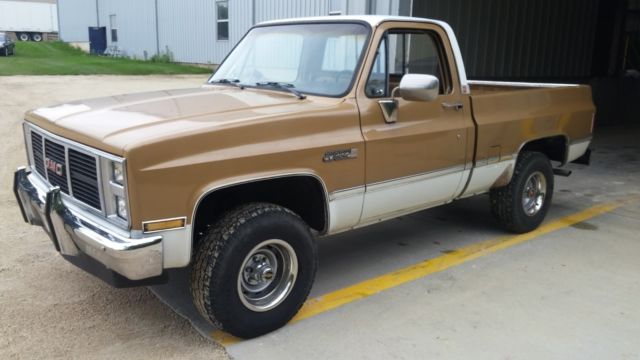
point(345, 259)
point(351, 257)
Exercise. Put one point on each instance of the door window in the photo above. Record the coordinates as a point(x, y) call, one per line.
point(406, 52)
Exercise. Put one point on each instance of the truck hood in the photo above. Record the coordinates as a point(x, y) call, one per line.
point(116, 124)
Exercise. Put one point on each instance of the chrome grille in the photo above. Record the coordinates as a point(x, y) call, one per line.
point(61, 164)
point(54, 153)
point(38, 160)
point(84, 178)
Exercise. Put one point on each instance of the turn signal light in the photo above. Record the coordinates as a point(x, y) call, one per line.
point(168, 224)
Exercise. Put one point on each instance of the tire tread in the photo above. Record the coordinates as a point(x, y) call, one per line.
point(504, 201)
point(212, 248)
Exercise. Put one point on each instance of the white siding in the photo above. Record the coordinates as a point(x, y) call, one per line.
point(187, 28)
point(189, 31)
point(76, 16)
point(280, 9)
point(136, 25)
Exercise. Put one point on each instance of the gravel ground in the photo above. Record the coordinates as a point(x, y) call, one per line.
point(49, 308)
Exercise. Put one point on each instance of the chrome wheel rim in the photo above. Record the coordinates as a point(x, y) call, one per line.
point(534, 193)
point(267, 275)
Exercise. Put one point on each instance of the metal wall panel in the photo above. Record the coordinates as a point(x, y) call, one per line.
point(135, 23)
point(279, 9)
point(385, 7)
point(187, 28)
point(75, 17)
point(524, 39)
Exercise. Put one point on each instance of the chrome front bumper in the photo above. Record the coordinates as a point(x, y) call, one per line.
point(114, 256)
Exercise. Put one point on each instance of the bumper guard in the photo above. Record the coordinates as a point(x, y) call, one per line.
point(118, 259)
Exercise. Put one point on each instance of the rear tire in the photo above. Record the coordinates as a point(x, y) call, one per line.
point(37, 37)
point(253, 269)
point(522, 205)
point(5, 52)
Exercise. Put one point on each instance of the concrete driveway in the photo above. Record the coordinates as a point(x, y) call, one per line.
point(443, 283)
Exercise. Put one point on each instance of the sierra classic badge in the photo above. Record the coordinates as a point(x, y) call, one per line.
point(54, 166)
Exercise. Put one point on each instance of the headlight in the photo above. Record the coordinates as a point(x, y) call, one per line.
point(117, 173)
point(121, 207)
point(114, 189)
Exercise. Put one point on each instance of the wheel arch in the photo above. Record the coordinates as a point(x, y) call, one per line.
point(306, 195)
point(554, 147)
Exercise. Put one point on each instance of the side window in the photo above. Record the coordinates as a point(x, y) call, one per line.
point(114, 28)
point(406, 52)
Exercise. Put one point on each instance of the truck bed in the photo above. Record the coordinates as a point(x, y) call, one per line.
point(508, 115)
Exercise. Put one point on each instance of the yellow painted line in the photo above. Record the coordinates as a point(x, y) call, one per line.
point(378, 284)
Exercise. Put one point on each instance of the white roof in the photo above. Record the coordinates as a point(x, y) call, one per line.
point(373, 20)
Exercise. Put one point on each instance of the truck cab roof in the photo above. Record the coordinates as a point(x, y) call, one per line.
point(373, 20)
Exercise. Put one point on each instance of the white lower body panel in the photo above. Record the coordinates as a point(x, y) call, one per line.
point(345, 209)
point(485, 177)
point(394, 198)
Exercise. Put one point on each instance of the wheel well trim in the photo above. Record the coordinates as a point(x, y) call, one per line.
point(255, 179)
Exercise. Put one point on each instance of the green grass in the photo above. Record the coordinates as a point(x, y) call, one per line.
point(58, 58)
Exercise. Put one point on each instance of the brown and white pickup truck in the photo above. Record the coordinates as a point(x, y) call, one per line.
point(310, 127)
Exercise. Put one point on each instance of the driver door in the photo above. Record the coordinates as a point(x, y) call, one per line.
point(416, 151)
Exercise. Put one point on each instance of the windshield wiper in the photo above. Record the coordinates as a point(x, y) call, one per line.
point(284, 86)
point(234, 82)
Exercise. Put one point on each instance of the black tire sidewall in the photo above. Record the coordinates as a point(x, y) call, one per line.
point(225, 300)
point(536, 162)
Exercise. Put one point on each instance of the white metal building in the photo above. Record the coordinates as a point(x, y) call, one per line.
point(195, 31)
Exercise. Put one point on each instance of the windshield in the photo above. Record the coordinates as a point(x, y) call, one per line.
point(2, 37)
point(316, 58)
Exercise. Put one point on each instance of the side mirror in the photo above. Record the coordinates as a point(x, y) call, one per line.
point(419, 87)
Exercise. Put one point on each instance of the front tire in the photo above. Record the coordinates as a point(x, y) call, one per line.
point(253, 269)
point(23, 36)
point(522, 205)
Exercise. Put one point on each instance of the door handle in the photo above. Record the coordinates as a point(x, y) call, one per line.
point(452, 106)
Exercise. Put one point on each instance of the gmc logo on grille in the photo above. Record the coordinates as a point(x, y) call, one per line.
point(54, 166)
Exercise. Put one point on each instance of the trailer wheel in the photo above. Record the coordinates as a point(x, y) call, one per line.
point(23, 36)
point(253, 269)
point(522, 205)
point(37, 37)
